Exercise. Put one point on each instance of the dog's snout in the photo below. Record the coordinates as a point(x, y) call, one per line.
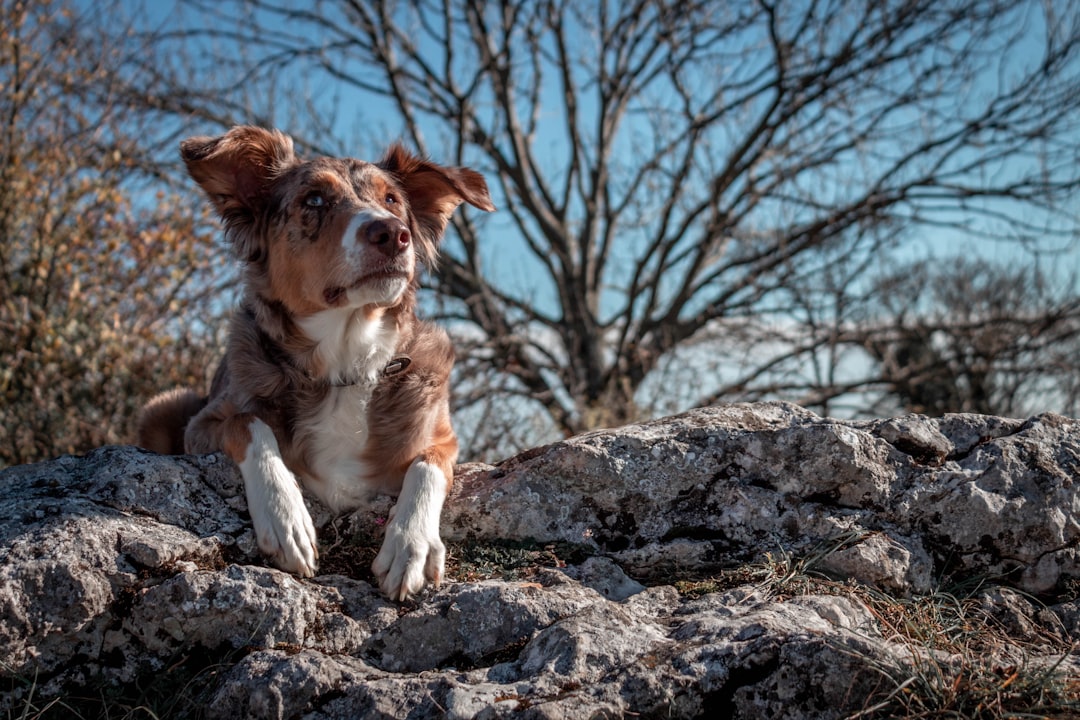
point(388, 234)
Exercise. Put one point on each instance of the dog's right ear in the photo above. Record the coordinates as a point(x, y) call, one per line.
point(236, 171)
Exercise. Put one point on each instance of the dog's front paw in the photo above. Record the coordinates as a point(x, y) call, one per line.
point(410, 556)
point(412, 552)
point(285, 532)
point(282, 522)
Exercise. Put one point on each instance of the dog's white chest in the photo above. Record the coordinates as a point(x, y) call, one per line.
point(337, 435)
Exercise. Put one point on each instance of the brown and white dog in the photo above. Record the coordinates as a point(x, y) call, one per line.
point(328, 378)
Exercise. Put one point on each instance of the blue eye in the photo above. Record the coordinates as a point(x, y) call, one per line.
point(390, 200)
point(315, 200)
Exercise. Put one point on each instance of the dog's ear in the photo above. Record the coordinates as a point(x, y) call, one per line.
point(236, 170)
point(434, 192)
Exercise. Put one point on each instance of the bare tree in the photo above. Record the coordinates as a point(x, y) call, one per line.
point(970, 336)
point(931, 336)
point(669, 167)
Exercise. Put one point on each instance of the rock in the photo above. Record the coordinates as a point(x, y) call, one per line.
point(784, 532)
point(727, 484)
point(242, 605)
point(605, 577)
point(649, 655)
point(895, 564)
point(473, 622)
point(917, 436)
point(78, 532)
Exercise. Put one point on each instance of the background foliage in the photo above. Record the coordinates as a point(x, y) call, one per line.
point(104, 271)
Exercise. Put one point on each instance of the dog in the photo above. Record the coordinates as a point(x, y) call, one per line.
point(329, 379)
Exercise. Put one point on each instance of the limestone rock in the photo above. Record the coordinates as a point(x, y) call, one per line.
point(727, 484)
point(647, 655)
point(115, 564)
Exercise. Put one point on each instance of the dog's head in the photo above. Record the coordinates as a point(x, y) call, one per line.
point(328, 232)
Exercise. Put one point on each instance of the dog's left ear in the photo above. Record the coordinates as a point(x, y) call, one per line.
point(434, 192)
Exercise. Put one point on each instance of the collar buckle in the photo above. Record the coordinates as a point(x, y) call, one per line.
point(397, 365)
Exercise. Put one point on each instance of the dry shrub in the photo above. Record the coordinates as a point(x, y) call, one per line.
point(105, 287)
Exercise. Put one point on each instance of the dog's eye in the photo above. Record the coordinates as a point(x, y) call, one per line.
point(315, 200)
point(390, 199)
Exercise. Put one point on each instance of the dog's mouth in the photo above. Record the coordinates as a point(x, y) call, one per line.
point(335, 294)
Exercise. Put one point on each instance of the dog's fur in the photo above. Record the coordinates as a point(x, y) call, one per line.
point(328, 378)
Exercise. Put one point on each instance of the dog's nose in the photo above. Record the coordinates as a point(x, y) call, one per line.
point(389, 235)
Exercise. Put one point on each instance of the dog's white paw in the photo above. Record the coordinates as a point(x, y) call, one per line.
point(412, 552)
point(409, 558)
point(282, 522)
point(285, 532)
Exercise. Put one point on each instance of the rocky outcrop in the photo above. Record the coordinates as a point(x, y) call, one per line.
point(744, 561)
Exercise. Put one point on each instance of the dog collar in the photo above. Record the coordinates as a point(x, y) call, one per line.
point(273, 350)
point(398, 364)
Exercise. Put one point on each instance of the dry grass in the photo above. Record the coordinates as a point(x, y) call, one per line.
point(181, 690)
point(963, 664)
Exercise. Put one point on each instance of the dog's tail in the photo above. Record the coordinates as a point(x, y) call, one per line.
point(163, 420)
